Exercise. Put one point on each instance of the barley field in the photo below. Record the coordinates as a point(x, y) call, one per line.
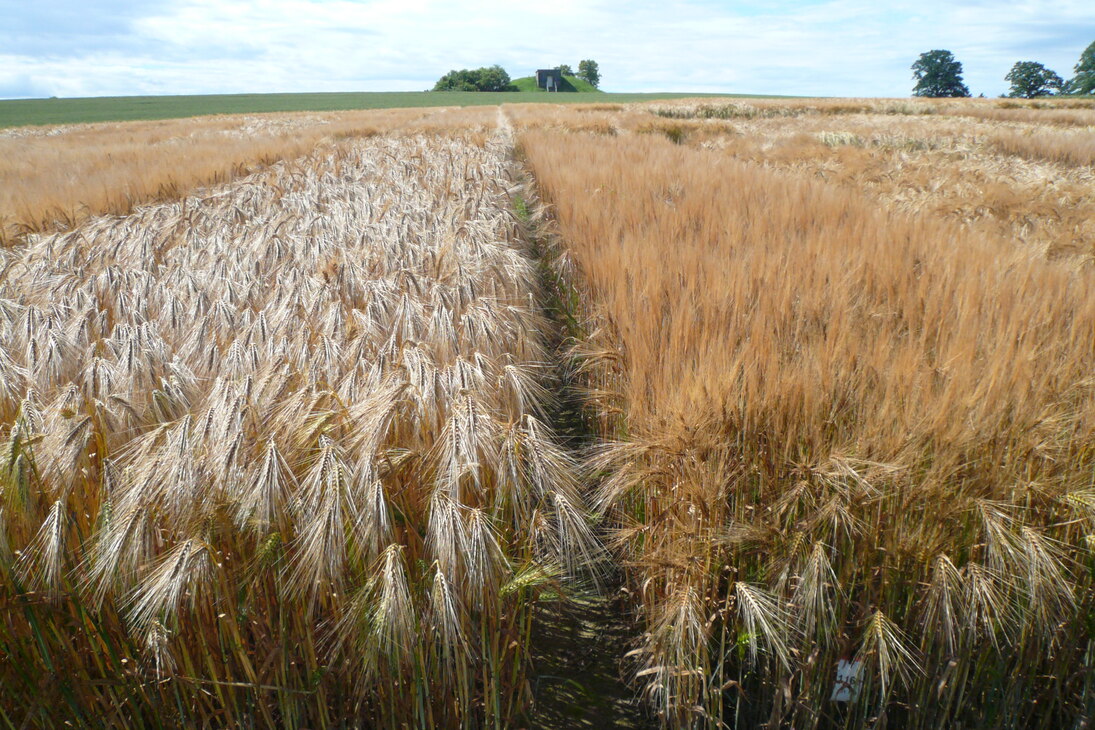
point(54, 178)
point(287, 433)
point(840, 356)
point(332, 426)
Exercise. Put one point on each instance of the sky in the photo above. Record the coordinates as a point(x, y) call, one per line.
point(71, 48)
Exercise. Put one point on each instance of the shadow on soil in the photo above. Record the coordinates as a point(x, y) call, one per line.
point(578, 644)
point(577, 682)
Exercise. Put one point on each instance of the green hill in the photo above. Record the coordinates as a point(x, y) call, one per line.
point(570, 83)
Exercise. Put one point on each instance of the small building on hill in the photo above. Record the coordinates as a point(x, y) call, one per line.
point(549, 79)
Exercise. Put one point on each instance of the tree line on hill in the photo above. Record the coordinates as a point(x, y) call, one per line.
point(487, 78)
point(939, 74)
point(495, 78)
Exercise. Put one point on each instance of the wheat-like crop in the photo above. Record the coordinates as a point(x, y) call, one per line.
point(838, 434)
point(53, 178)
point(1022, 175)
point(279, 452)
point(276, 451)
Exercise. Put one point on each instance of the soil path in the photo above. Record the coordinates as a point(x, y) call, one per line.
point(578, 645)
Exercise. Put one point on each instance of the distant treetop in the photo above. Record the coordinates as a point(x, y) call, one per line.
point(589, 71)
point(1084, 80)
point(487, 78)
point(938, 74)
point(1030, 79)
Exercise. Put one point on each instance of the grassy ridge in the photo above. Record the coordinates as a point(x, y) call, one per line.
point(569, 84)
point(21, 112)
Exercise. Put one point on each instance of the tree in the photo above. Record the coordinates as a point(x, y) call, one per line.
point(493, 78)
point(1084, 80)
point(462, 80)
point(589, 71)
point(1030, 79)
point(565, 69)
point(937, 73)
point(488, 78)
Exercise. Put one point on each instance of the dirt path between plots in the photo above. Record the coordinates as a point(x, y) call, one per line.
point(578, 646)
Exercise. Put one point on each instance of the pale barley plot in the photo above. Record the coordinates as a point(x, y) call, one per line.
point(54, 178)
point(282, 445)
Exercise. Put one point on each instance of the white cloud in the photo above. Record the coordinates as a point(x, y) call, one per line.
point(831, 47)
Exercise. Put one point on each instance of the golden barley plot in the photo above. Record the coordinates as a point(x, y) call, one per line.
point(834, 434)
point(276, 451)
point(1023, 173)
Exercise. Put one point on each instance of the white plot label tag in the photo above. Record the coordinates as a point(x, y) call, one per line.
point(849, 680)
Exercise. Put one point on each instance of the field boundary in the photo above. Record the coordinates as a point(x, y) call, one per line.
point(37, 112)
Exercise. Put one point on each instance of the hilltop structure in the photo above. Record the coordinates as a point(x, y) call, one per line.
point(549, 79)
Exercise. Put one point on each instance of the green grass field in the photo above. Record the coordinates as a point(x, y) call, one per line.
point(21, 112)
